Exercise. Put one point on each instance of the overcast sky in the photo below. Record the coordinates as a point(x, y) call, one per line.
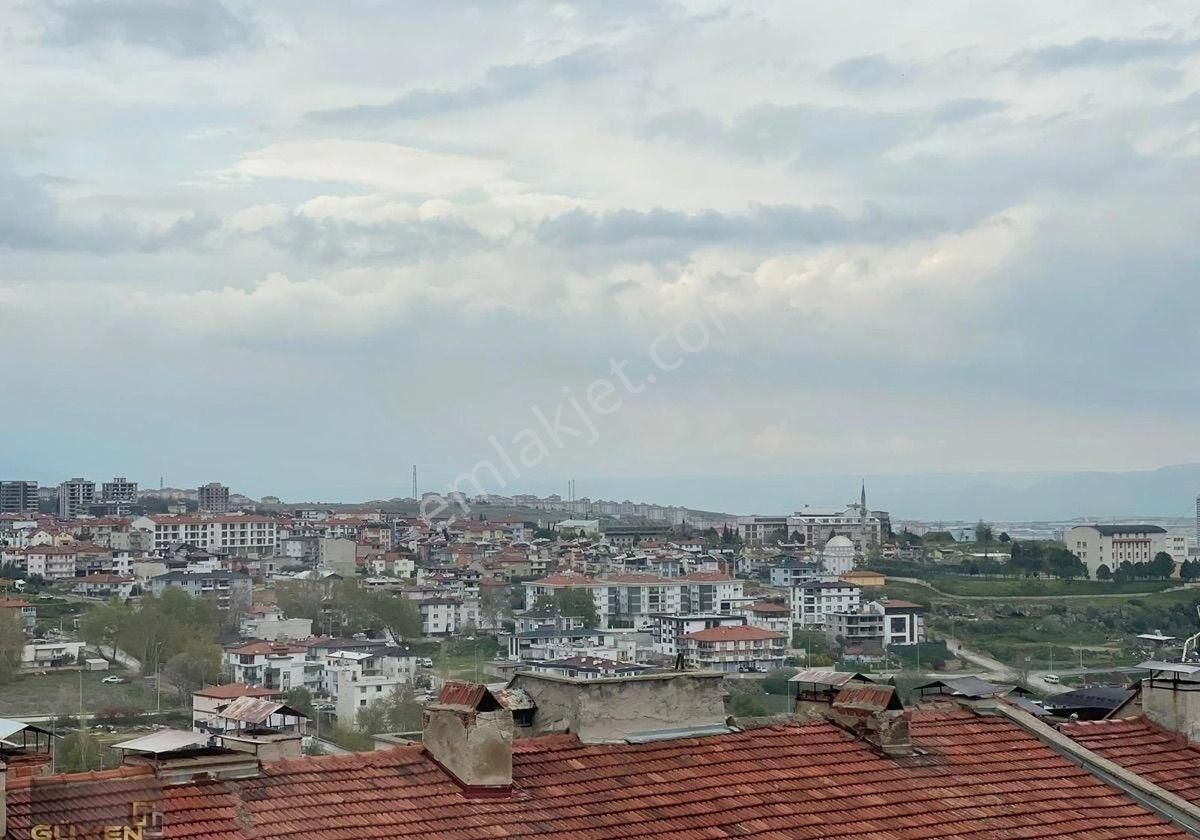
point(300, 246)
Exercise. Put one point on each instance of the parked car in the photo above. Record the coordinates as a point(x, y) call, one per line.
point(425, 662)
point(113, 680)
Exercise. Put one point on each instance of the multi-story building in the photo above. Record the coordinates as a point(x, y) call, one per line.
point(119, 491)
point(1112, 545)
point(213, 498)
point(734, 649)
point(227, 590)
point(275, 665)
point(18, 497)
point(791, 572)
point(630, 600)
point(60, 562)
point(355, 679)
point(769, 616)
point(814, 600)
point(75, 497)
point(241, 534)
point(668, 631)
point(882, 622)
point(763, 530)
point(24, 610)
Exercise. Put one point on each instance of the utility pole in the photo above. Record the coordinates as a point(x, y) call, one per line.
point(1052, 659)
point(415, 497)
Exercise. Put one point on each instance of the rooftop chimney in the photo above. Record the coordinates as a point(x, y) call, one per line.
point(470, 735)
point(875, 713)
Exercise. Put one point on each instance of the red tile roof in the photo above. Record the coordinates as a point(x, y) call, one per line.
point(13, 603)
point(734, 633)
point(232, 691)
point(1154, 753)
point(265, 648)
point(982, 777)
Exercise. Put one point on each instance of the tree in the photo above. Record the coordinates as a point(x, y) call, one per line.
point(398, 712)
point(491, 606)
point(1189, 570)
point(983, 532)
point(1004, 537)
point(1103, 572)
point(1162, 566)
point(301, 599)
point(80, 751)
point(578, 601)
point(748, 705)
point(12, 643)
point(1063, 564)
point(190, 670)
point(300, 699)
point(1028, 558)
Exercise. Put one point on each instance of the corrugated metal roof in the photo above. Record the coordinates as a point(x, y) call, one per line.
point(819, 676)
point(256, 710)
point(1170, 667)
point(166, 740)
point(10, 727)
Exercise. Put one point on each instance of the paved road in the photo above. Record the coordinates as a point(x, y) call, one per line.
point(1035, 680)
point(930, 586)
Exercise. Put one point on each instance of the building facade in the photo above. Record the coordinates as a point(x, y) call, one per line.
point(119, 491)
point(18, 497)
point(213, 498)
point(1112, 545)
point(733, 649)
point(75, 497)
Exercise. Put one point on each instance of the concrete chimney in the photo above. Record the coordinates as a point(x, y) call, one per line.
point(470, 735)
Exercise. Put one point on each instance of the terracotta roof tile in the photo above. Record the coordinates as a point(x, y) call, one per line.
point(981, 777)
point(1156, 754)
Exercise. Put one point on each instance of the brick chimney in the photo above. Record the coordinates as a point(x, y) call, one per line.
point(874, 713)
point(470, 735)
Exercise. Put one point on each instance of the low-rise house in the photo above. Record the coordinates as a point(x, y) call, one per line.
point(734, 649)
point(104, 586)
point(207, 701)
point(26, 611)
point(589, 668)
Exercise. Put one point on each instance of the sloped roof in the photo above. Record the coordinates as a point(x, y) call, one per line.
point(983, 776)
point(1155, 754)
point(256, 710)
point(231, 691)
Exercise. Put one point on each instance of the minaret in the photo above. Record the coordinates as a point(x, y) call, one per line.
point(862, 515)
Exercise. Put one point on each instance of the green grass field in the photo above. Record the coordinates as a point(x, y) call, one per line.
point(57, 693)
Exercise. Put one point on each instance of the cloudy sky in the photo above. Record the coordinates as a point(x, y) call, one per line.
point(300, 246)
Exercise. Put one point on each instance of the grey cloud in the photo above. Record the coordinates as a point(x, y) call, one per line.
point(336, 241)
point(1104, 52)
point(960, 110)
point(501, 84)
point(30, 220)
point(866, 72)
point(181, 28)
point(666, 233)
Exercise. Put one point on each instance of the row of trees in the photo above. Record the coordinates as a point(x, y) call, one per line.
point(12, 643)
point(1033, 558)
point(171, 633)
point(1160, 568)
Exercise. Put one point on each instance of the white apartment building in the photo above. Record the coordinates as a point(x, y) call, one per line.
point(889, 622)
point(733, 649)
point(814, 600)
point(768, 616)
point(667, 631)
point(633, 599)
point(241, 534)
point(275, 665)
point(355, 679)
point(1112, 545)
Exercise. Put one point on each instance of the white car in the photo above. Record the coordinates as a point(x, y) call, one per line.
point(425, 663)
point(1052, 679)
point(113, 680)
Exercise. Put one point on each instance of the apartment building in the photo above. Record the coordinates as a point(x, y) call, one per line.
point(355, 678)
point(19, 497)
point(733, 649)
point(119, 491)
point(668, 631)
point(275, 665)
point(213, 498)
point(814, 600)
point(240, 534)
point(890, 622)
point(75, 498)
point(1112, 545)
point(60, 562)
point(227, 590)
point(630, 600)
